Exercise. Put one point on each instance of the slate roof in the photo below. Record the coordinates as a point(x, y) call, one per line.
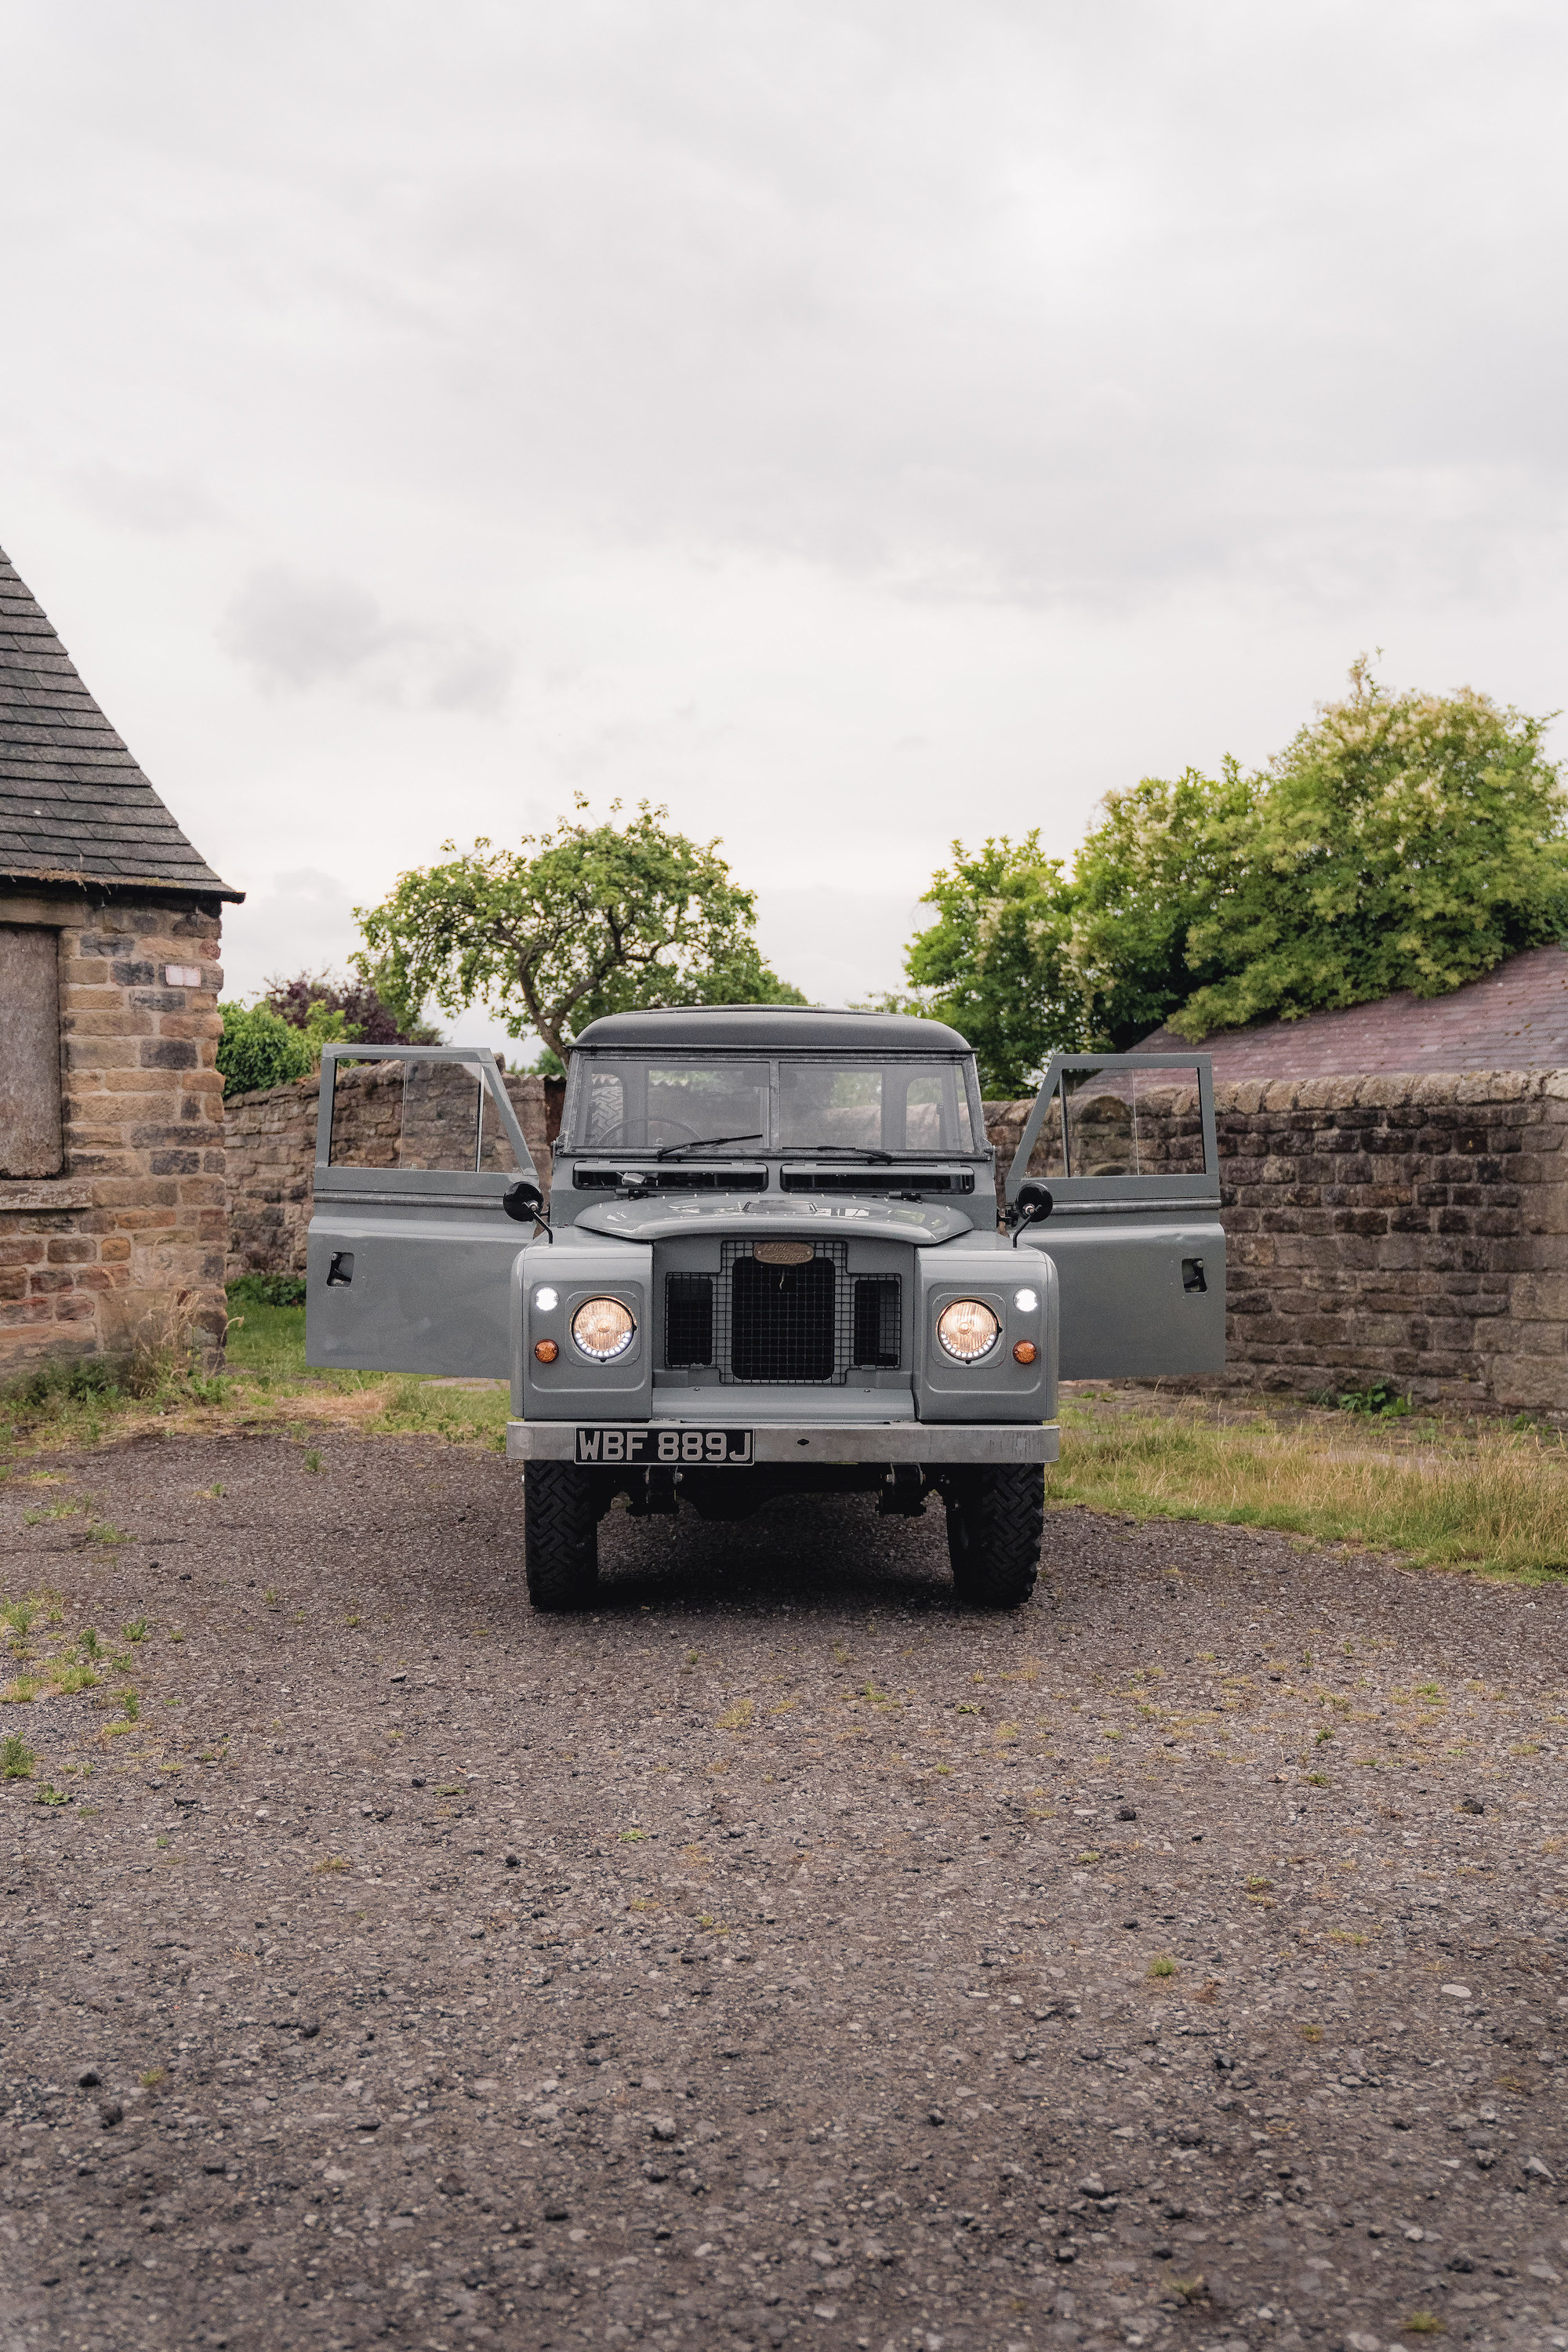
point(73, 803)
point(1513, 1018)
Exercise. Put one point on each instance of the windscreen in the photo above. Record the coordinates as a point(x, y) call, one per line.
point(621, 1103)
point(893, 1106)
point(646, 1105)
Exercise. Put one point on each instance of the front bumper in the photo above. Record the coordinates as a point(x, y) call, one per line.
point(942, 1444)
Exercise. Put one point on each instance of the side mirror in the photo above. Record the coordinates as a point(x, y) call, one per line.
point(1034, 1202)
point(524, 1202)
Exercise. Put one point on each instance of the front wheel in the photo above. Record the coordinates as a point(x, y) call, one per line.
point(560, 1536)
point(996, 1523)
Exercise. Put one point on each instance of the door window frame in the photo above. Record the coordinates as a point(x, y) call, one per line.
point(476, 1183)
point(1089, 1192)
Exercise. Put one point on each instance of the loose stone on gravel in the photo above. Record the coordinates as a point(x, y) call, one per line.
point(1177, 1963)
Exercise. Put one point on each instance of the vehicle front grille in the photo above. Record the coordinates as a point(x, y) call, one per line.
point(876, 1321)
point(687, 1320)
point(808, 1324)
point(782, 1319)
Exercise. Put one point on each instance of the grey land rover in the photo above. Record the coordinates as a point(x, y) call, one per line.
point(771, 1263)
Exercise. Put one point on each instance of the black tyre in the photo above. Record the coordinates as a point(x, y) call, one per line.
point(996, 1523)
point(560, 1536)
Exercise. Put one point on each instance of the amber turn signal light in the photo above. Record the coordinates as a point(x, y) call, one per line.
point(546, 1350)
point(1025, 1352)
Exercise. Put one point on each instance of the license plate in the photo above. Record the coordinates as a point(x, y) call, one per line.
point(678, 1449)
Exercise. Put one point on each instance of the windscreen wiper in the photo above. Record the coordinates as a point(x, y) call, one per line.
point(704, 1143)
point(862, 1151)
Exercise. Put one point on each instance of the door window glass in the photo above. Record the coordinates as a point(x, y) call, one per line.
point(1121, 1123)
point(417, 1114)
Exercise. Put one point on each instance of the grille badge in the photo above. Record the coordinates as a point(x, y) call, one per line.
point(783, 1253)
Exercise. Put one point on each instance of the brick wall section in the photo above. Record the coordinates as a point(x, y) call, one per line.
point(127, 1244)
point(1412, 1228)
point(271, 1146)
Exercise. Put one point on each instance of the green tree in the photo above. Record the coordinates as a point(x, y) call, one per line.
point(582, 920)
point(258, 1048)
point(1159, 863)
point(1401, 841)
point(995, 960)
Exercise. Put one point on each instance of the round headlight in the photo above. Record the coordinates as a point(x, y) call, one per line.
point(968, 1330)
point(603, 1328)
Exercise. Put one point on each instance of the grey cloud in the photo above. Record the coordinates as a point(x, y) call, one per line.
point(1016, 302)
point(290, 922)
point(294, 633)
point(162, 502)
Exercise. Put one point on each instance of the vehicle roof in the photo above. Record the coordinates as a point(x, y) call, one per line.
point(758, 1026)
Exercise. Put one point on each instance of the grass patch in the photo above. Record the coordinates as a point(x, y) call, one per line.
point(1490, 1498)
point(267, 1383)
point(16, 1758)
point(253, 1290)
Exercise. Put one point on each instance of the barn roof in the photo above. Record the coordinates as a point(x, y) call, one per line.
point(74, 806)
point(1513, 1018)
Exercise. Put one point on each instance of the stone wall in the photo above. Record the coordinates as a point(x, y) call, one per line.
point(1406, 1229)
point(1411, 1229)
point(272, 1153)
point(122, 1244)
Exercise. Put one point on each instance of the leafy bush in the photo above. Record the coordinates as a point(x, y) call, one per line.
point(352, 1010)
point(268, 1290)
point(258, 1049)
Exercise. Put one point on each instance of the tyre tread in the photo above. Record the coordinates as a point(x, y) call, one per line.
point(995, 1525)
point(561, 1536)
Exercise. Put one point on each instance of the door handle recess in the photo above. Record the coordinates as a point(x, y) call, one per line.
point(1192, 1274)
point(341, 1268)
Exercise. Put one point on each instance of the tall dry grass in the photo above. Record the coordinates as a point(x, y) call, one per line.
point(1495, 1501)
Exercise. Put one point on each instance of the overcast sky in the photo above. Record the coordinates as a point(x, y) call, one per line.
point(852, 426)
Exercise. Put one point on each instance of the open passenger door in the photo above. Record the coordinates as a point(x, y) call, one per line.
point(1125, 1144)
point(410, 1253)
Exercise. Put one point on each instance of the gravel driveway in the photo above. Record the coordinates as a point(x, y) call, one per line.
point(779, 1956)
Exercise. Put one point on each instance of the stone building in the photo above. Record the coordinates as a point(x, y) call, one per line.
point(113, 1216)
